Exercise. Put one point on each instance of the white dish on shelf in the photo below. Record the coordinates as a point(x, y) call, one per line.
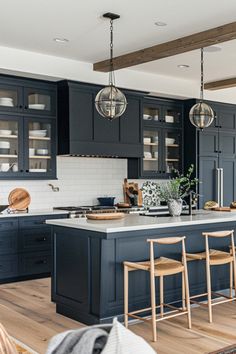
point(4, 144)
point(147, 140)
point(156, 117)
point(31, 151)
point(169, 119)
point(38, 133)
point(155, 139)
point(5, 132)
point(147, 117)
point(40, 106)
point(42, 152)
point(170, 141)
point(147, 155)
point(38, 170)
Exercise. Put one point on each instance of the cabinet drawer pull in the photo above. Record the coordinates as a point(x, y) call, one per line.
point(41, 239)
point(20, 106)
point(41, 261)
point(26, 107)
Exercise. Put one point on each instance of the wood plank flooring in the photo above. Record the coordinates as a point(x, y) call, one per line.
point(28, 315)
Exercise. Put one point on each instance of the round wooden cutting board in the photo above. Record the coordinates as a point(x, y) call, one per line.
point(105, 216)
point(19, 199)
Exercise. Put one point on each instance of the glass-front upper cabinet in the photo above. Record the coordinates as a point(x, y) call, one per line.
point(10, 98)
point(151, 154)
point(151, 112)
point(40, 101)
point(11, 128)
point(172, 151)
point(40, 150)
point(172, 114)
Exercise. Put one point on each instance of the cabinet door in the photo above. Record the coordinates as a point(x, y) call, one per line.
point(172, 114)
point(207, 178)
point(208, 143)
point(227, 144)
point(229, 179)
point(227, 118)
point(151, 111)
point(106, 131)
point(152, 142)
point(172, 152)
point(130, 122)
point(39, 101)
point(11, 98)
point(40, 147)
point(11, 146)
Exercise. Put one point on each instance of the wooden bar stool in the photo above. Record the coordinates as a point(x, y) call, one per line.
point(213, 258)
point(159, 267)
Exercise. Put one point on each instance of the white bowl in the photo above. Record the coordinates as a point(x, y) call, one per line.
point(146, 140)
point(147, 155)
point(169, 119)
point(5, 132)
point(42, 152)
point(6, 104)
point(5, 167)
point(4, 144)
point(147, 117)
point(170, 141)
point(36, 106)
point(38, 133)
point(31, 151)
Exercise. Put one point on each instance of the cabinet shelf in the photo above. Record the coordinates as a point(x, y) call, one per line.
point(9, 136)
point(40, 157)
point(150, 144)
point(39, 138)
point(172, 145)
point(8, 156)
point(173, 160)
point(150, 159)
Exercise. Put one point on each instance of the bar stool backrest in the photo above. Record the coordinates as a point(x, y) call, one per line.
point(226, 233)
point(166, 241)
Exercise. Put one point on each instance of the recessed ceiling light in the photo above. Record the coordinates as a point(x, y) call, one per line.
point(212, 49)
point(61, 40)
point(183, 66)
point(160, 24)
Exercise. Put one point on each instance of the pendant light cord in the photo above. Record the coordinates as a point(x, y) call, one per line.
point(202, 75)
point(111, 73)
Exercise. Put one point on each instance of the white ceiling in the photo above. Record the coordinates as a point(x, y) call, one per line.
point(32, 25)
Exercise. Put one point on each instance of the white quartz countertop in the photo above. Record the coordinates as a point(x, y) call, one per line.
point(137, 222)
point(33, 212)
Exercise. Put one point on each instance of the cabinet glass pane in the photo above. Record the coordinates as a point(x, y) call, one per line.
point(151, 113)
point(9, 146)
point(38, 101)
point(39, 147)
point(8, 98)
point(172, 115)
point(151, 152)
point(172, 151)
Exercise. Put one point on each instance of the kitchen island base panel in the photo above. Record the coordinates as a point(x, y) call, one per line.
point(87, 280)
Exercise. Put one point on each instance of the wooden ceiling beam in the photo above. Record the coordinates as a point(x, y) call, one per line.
point(206, 38)
point(220, 84)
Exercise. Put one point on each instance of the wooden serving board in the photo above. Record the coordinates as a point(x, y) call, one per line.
point(19, 199)
point(224, 209)
point(106, 216)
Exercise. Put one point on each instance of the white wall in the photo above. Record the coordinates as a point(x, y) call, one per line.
point(80, 180)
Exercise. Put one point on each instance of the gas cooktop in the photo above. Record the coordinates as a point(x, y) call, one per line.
point(84, 208)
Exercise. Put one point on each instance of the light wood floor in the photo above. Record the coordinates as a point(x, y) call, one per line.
point(29, 316)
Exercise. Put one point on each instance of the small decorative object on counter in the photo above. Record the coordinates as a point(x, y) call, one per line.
point(233, 205)
point(150, 192)
point(132, 193)
point(176, 189)
point(210, 204)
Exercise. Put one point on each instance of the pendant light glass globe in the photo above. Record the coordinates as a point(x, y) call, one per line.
point(201, 115)
point(110, 102)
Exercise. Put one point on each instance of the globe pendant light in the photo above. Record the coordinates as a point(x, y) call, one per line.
point(110, 102)
point(201, 114)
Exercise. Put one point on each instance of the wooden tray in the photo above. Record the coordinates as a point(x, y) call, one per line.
point(106, 216)
point(19, 199)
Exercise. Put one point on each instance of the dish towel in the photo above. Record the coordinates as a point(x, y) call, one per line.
point(104, 339)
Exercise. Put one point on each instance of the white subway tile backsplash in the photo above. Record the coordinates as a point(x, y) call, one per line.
point(81, 180)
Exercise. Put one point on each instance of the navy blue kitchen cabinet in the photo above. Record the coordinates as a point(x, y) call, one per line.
point(82, 131)
point(162, 139)
point(28, 128)
point(25, 247)
point(213, 148)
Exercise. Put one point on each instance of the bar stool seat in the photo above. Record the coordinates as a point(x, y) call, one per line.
point(162, 266)
point(216, 257)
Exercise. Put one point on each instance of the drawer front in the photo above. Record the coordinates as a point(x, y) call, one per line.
point(35, 239)
point(8, 266)
point(10, 223)
point(8, 242)
point(36, 221)
point(37, 263)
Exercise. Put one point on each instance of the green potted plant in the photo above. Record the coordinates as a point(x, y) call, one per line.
point(176, 189)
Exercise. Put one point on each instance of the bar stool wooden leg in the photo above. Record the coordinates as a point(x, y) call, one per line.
point(161, 296)
point(153, 294)
point(208, 274)
point(183, 293)
point(234, 262)
point(231, 279)
point(126, 295)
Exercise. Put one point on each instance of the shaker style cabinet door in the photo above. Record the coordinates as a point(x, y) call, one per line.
point(11, 98)
point(39, 101)
point(208, 143)
point(207, 178)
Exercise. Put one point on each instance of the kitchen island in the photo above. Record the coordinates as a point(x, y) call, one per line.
point(88, 255)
